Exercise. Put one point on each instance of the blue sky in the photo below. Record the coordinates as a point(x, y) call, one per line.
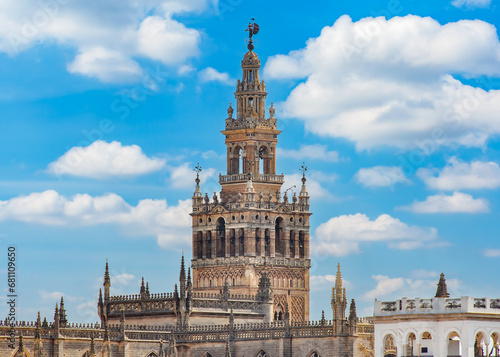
point(107, 107)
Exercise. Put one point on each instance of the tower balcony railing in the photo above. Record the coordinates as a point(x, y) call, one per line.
point(255, 178)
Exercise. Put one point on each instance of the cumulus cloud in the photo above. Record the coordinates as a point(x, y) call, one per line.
point(316, 191)
point(458, 202)
point(379, 82)
point(210, 74)
point(182, 177)
point(170, 224)
point(458, 175)
point(106, 65)
point(107, 35)
point(492, 253)
point(312, 152)
point(471, 3)
point(325, 282)
point(103, 160)
point(380, 176)
point(344, 234)
point(167, 40)
point(396, 288)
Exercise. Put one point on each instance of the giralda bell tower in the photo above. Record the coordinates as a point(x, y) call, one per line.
point(253, 232)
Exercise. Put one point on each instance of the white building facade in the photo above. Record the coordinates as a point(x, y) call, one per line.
point(440, 327)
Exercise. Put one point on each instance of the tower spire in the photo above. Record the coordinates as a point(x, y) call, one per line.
point(107, 282)
point(182, 279)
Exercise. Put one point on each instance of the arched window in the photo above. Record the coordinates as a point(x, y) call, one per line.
point(241, 242)
point(411, 346)
point(262, 354)
point(257, 242)
point(152, 354)
point(292, 244)
point(267, 234)
point(279, 235)
point(454, 345)
point(207, 354)
point(199, 245)
point(479, 345)
point(221, 237)
point(208, 248)
point(390, 349)
point(495, 347)
point(301, 245)
point(314, 354)
point(263, 160)
point(237, 161)
point(232, 242)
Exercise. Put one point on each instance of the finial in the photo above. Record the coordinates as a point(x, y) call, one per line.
point(230, 111)
point(107, 279)
point(197, 169)
point(92, 345)
point(303, 168)
point(21, 343)
point(272, 111)
point(352, 311)
point(442, 289)
point(253, 29)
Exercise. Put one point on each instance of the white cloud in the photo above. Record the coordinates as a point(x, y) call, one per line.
point(379, 82)
point(314, 188)
point(182, 177)
point(120, 30)
point(396, 288)
point(106, 65)
point(313, 152)
point(56, 296)
point(492, 253)
point(471, 3)
point(424, 274)
point(325, 282)
point(210, 74)
point(343, 235)
point(458, 175)
point(167, 40)
point(170, 224)
point(458, 202)
point(381, 176)
point(102, 160)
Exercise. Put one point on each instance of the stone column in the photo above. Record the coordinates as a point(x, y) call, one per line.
point(272, 243)
point(228, 242)
point(215, 243)
point(204, 238)
point(286, 242)
point(250, 242)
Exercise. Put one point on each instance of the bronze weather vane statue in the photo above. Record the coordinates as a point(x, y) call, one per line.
point(253, 29)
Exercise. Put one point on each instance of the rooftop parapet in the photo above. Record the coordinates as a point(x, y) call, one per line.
point(438, 305)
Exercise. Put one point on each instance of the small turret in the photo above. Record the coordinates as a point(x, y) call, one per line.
point(92, 347)
point(20, 350)
point(63, 321)
point(442, 289)
point(37, 347)
point(143, 288)
point(339, 300)
point(56, 316)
